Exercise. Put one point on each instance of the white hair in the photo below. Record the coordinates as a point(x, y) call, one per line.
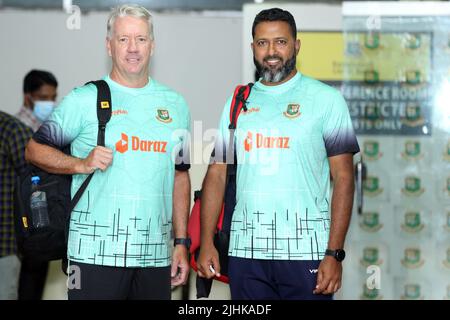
point(129, 10)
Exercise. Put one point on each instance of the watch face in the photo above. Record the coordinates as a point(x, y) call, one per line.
point(340, 255)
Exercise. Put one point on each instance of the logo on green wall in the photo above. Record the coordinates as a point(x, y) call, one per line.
point(370, 221)
point(372, 40)
point(412, 40)
point(447, 260)
point(412, 187)
point(448, 186)
point(371, 186)
point(412, 259)
point(371, 76)
point(412, 150)
point(447, 225)
point(371, 150)
point(447, 152)
point(370, 294)
point(412, 292)
point(412, 222)
point(413, 116)
point(371, 256)
point(413, 77)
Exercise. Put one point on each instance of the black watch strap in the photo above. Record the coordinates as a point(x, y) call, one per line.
point(338, 254)
point(184, 241)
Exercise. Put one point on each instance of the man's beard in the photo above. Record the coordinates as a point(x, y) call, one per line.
point(275, 75)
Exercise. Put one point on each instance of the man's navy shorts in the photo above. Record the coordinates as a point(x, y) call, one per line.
point(253, 279)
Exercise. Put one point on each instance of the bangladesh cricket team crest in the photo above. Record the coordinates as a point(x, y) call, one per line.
point(372, 40)
point(292, 110)
point(371, 77)
point(448, 186)
point(413, 77)
point(412, 41)
point(447, 223)
point(370, 294)
point(446, 262)
point(412, 258)
point(372, 112)
point(370, 221)
point(413, 187)
point(412, 223)
point(413, 116)
point(371, 150)
point(371, 257)
point(371, 186)
point(163, 115)
point(412, 292)
point(412, 150)
point(447, 152)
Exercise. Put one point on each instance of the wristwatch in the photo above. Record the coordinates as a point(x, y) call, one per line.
point(184, 241)
point(338, 254)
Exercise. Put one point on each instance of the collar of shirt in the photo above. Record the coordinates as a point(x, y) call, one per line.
point(27, 117)
point(281, 88)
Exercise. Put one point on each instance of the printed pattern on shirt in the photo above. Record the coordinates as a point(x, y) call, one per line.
point(282, 147)
point(124, 218)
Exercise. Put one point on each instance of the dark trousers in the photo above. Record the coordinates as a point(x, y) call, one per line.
point(33, 275)
point(253, 279)
point(117, 283)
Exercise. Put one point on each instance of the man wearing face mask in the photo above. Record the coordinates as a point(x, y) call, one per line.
point(39, 95)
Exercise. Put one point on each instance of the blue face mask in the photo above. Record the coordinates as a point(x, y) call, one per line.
point(43, 109)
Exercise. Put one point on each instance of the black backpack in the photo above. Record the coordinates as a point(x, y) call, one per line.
point(222, 235)
point(50, 243)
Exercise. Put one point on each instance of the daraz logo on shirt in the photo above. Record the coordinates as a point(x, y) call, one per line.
point(265, 142)
point(137, 144)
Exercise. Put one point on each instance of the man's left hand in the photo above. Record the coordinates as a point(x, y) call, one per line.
point(180, 266)
point(329, 276)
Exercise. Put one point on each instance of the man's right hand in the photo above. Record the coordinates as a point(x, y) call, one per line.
point(99, 158)
point(207, 258)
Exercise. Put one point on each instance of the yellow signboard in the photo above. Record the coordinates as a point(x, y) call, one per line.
point(369, 57)
point(321, 55)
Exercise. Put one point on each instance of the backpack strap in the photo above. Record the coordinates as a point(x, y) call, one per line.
point(104, 106)
point(104, 111)
point(239, 102)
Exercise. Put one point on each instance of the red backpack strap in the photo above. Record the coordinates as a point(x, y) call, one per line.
point(238, 103)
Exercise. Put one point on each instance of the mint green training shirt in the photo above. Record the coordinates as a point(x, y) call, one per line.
point(124, 218)
point(283, 142)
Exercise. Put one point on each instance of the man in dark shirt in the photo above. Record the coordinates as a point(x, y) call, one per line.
point(14, 135)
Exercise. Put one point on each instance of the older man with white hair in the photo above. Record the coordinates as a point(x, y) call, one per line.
point(121, 228)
